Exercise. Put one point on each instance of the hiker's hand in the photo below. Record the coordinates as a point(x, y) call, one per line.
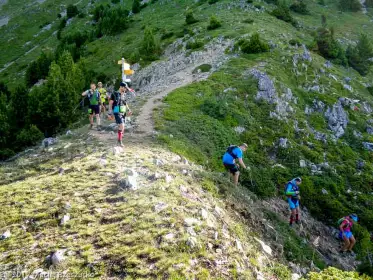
point(248, 168)
point(297, 192)
point(130, 113)
point(298, 197)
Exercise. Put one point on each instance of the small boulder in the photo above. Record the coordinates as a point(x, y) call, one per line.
point(265, 247)
point(56, 258)
point(160, 207)
point(191, 232)
point(5, 235)
point(295, 276)
point(188, 222)
point(204, 214)
point(65, 219)
point(324, 191)
point(176, 158)
point(302, 163)
point(192, 242)
point(169, 236)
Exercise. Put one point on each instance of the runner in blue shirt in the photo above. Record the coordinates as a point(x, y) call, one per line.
point(229, 160)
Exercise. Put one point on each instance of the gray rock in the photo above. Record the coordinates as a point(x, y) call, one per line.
point(347, 80)
point(314, 88)
point(192, 242)
point(337, 119)
point(189, 222)
point(358, 134)
point(238, 245)
point(370, 130)
point(65, 219)
point(48, 142)
point(295, 276)
point(328, 64)
point(283, 143)
point(190, 231)
point(239, 129)
point(5, 235)
point(204, 214)
point(176, 158)
point(324, 191)
point(302, 163)
point(348, 87)
point(308, 110)
point(306, 54)
point(366, 108)
point(360, 164)
point(69, 132)
point(169, 236)
point(318, 105)
point(57, 257)
point(160, 207)
point(158, 162)
point(267, 90)
point(229, 89)
point(368, 146)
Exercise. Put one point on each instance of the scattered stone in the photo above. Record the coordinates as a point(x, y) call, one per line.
point(158, 162)
point(48, 142)
point(61, 171)
point(103, 162)
point(360, 164)
point(176, 158)
point(184, 172)
point(302, 163)
point(183, 189)
point(69, 132)
point(204, 214)
point(337, 119)
point(239, 129)
point(169, 236)
point(117, 150)
point(324, 191)
point(368, 146)
point(131, 180)
point(160, 207)
point(56, 257)
point(188, 222)
point(216, 235)
point(67, 146)
point(239, 245)
point(328, 64)
point(348, 87)
point(98, 210)
point(168, 179)
point(65, 219)
point(358, 134)
point(5, 235)
point(184, 161)
point(191, 232)
point(295, 276)
point(229, 89)
point(265, 247)
point(192, 242)
point(306, 54)
point(283, 143)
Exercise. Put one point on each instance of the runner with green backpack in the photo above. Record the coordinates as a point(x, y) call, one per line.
point(118, 105)
point(345, 224)
point(232, 154)
point(94, 105)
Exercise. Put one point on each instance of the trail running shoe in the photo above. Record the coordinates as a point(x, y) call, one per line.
point(91, 126)
point(120, 143)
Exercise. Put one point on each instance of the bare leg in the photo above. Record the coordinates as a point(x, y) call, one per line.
point(292, 216)
point(346, 244)
point(235, 177)
point(352, 243)
point(91, 119)
point(297, 215)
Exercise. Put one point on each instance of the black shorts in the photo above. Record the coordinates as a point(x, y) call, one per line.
point(94, 109)
point(231, 167)
point(119, 118)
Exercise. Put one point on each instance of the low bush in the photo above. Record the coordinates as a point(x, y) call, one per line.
point(167, 35)
point(248, 20)
point(250, 1)
point(300, 7)
point(212, 1)
point(350, 5)
point(214, 23)
point(283, 13)
point(294, 42)
point(189, 17)
point(335, 273)
point(194, 45)
point(72, 11)
point(254, 45)
point(202, 68)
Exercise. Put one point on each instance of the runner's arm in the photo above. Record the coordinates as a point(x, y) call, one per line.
point(341, 228)
point(240, 161)
point(289, 190)
point(85, 93)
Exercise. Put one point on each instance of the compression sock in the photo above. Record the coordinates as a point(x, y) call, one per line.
point(291, 220)
point(119, 135)
point(297, 217)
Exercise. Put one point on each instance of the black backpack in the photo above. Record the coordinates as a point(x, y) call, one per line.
point(230, 151)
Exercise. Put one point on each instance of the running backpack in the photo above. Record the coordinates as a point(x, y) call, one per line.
point(94, 98)
point(230, 151)
point(341, 220)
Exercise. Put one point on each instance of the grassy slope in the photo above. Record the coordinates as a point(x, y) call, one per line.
point(114, 231)
point(102, 54)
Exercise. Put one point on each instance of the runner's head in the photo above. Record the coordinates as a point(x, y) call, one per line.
point(354, 217)
point(99, 84)
point(123, 87)
point(243, 147)
point(93, 86)
point(298, 180)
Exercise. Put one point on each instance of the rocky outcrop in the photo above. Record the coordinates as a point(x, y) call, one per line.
point(337, 119)
point(268, 93)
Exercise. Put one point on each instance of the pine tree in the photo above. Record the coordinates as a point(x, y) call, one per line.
point(149, 47)
point(136, 6)
point(360, 56)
